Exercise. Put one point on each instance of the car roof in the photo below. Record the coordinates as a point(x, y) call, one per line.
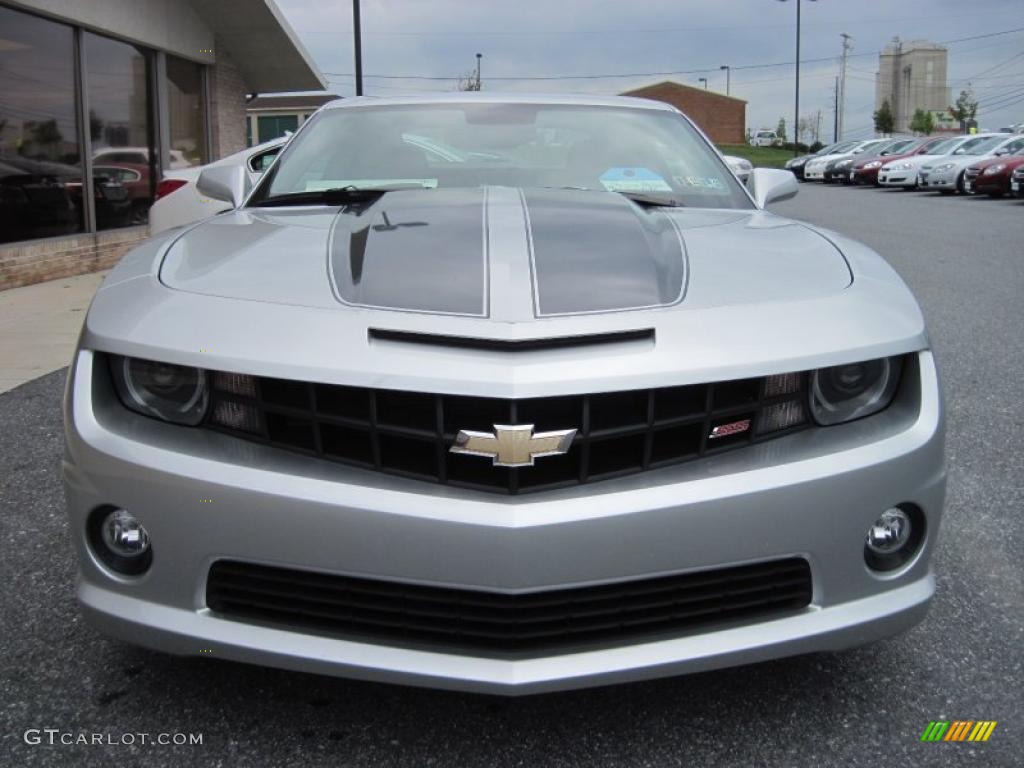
point(467, 97)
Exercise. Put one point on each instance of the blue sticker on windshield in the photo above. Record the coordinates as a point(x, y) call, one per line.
point(633, 180)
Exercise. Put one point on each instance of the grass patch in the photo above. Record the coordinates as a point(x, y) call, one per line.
point(760, 157)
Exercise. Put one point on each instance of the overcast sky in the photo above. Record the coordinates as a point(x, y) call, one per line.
point(642, 38)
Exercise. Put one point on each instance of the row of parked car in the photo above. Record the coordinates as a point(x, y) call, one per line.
point(982, 163)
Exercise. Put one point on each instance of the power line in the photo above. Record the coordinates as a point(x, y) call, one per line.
point(665, 73)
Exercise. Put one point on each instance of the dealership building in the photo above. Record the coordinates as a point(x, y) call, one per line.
point(97, 99)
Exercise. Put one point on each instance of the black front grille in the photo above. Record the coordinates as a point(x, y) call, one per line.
point(490, 622)
point(410, 433)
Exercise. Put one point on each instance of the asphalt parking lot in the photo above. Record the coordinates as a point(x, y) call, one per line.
point(964, 258)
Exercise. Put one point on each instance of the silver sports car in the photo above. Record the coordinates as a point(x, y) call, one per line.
point(504, 394)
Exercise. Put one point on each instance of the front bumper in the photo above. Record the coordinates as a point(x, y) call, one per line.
point(941, 180)
point(907, 178)
point(205, 496)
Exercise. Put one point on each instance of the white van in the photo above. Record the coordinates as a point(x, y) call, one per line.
point(764, 139)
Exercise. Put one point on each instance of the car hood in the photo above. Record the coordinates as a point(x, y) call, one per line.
point(503, 254)
point(915, 161)
point(1010, 161)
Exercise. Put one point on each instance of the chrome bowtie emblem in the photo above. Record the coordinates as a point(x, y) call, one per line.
point(513, 446)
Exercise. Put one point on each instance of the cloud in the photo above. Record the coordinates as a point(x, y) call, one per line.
point(547, 38)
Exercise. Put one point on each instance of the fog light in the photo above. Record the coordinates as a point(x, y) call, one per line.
point(124, 535)
point(894, 537)
point(119, 540)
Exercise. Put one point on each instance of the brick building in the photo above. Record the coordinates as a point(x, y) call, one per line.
point(722, 118)
point(100, 97)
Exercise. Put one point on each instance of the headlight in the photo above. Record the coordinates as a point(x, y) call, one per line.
point(874, 164)
point(847, 392)
point(844, 164)
point(903, 167)
point(175, 393)
point(992, 170)
point(943, 167)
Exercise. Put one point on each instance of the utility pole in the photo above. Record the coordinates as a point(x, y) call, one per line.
point(478, 57)
point(847, 46)
point(358, 41)
point(835, 112)
point(817, 128)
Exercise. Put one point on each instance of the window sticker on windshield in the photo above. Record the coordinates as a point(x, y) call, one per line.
point(318, 185)
point(706, 182)
point(633, 180)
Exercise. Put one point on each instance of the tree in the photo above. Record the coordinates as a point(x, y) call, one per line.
point(468, 82)
point(780, 129)
point(966, 107)
point(45, 132)
point(922, 122)
point(884, 121)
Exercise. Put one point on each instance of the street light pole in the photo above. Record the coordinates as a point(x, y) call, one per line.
point(478, 57)
point(358, 44)
point(796, 98)
point(703, 80)
point(728, 72)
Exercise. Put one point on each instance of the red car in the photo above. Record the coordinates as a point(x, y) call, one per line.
point(992, 176)
point(866, 171)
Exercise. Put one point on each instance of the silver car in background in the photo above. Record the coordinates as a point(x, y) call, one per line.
point(903, 172)
point(947, 174)
point(561, 405)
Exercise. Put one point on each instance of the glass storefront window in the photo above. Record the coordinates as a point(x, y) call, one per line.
point(186, 112)
point(40, 156)
point(121, 131)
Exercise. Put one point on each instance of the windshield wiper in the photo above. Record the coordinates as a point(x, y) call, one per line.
point(642, 198)
point(335, 195)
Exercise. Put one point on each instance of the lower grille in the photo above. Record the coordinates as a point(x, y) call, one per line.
point(489, 623)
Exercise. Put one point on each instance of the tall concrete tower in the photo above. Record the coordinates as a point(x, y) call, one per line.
point(911, 76)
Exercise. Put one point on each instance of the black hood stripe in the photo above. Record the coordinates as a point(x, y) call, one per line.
point(413, 251)
point(596, 252)
point(509, 253)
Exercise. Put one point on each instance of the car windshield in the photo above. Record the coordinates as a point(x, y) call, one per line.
point(901, 146)
point(980, 146)
point(945, 146)
point(766, 135)
point(650, 152)
point(843, 146)
point(870, 146)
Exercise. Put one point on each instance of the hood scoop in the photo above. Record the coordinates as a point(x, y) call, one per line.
point(512, 345)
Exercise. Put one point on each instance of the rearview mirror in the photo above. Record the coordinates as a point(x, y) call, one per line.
point(224, 182)
point(771, 185)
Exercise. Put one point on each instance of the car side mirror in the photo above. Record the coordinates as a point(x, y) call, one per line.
point(1001, 152)
point(224, 182)
point(771, 185)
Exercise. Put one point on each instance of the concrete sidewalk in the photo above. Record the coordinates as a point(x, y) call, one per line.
point(39, 326)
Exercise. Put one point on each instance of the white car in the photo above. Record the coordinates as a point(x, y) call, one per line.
point(946, 174)
point(739, 166)
point(903, 171)
point(814, 170)
point(765, 139)
point(137, 156)
point(178, 200)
